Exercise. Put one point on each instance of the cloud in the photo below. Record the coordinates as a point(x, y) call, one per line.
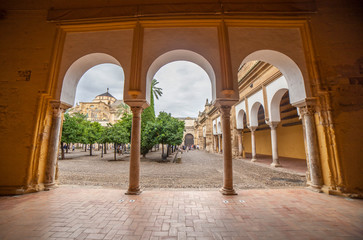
point(96, 81)
point(185, 87)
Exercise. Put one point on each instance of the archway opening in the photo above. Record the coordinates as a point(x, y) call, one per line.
point(272, 119)
point(89, 139)
point(189, 140)
point(181, 55)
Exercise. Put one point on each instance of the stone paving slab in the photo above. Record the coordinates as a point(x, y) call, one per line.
point(90, 213)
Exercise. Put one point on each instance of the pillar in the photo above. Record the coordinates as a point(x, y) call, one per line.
point(134, 174)
point(314, 175)
point(253, 144)
point(52, 157)
point(240, 143)
point(275, 155)
point(227, 152)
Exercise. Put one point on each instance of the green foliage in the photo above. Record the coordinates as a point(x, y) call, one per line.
point(147, 120)
point(120, 132)
point(169, 129)
point(93, 132)
point(148, 137)
point(156, 91)
point(73, 128)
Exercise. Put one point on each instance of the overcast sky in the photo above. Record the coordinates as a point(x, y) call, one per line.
point(185, 87)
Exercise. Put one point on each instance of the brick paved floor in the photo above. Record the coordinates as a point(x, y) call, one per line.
point(91, 213)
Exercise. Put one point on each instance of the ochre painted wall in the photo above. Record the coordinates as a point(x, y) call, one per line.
point(290, 142)
point(338, 42)
point(350, 136)
point(25, 44)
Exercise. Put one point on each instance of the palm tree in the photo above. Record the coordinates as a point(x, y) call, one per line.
point(122, 108)
point(156, 90)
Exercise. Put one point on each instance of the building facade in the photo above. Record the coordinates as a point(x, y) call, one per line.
point(104, 109)
point(188, 136)
point(263, 121)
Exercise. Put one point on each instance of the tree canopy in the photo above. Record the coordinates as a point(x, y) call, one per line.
point(73, 130)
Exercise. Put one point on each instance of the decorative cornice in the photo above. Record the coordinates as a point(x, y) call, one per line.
point(147, 9)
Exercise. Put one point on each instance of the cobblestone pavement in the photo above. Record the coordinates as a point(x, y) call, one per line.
point(198, 169)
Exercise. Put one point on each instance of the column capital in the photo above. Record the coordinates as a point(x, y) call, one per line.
point(252, 128)
point(225, 102)
point(273, 125)
point(59, 107)
point(225, 110)
point(136, 110)
point(306, 110)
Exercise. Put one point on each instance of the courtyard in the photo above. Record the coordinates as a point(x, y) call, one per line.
point(197, 170)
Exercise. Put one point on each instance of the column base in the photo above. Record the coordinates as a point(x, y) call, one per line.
point(315, 188)
point(136, 191)
point(253, 159)
point(49, 186)
point(226, 191)
point(275, 165)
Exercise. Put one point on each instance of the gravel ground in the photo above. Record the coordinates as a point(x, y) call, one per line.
point(198, 169)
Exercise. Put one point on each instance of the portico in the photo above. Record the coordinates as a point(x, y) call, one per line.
point(57, 42)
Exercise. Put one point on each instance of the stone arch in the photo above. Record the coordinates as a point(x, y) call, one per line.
point(240, 116)
point(275, 91)
point(287, 67)
point(254, 114)
point(219, 128)
point(76, 71)
point(188, 139)
point(180, 55)
point(275, 105)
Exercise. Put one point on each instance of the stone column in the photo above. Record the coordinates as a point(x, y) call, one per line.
point(227, 152)
point(134, 174)
point(52, 157)
point(314, 176)
point(275, 155)
point(240, 143)
point(253, 144)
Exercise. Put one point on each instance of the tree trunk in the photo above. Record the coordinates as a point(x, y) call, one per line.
point(101, 151)
point(162, 151)
point(85, 147)
point(105, 148)
point(90, 149)
point(62, 150)
point(114, 147)
point(67, 148)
